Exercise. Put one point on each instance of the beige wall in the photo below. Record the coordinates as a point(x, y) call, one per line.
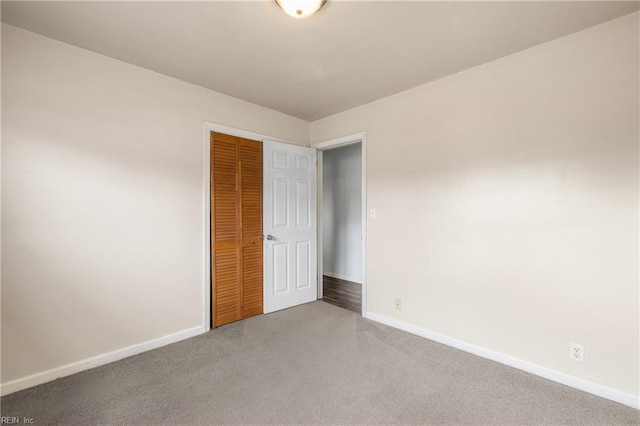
point(342, 212)
point(509, 193)
point(102, 194)
point(507, 203)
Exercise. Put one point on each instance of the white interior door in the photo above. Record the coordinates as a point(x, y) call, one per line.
point(290, 225)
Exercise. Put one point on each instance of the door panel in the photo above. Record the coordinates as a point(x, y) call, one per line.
point(280, 267)
point(303, 264)
point(224, 229)
point(303, 203)
point(280, 203)
point(290, 218)
point(251, 208)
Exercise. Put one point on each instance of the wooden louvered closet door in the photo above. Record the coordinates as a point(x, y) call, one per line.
point(236, 228)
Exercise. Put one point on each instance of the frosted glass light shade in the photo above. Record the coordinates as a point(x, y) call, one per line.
point(300, 8)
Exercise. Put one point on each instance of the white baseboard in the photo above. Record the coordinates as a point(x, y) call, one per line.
point(553, 375)
point(342, 277)
point(96, 361)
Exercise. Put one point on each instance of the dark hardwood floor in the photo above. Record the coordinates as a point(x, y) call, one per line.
point(345, 294)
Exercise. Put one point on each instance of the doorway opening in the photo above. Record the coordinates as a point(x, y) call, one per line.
point(342, 225)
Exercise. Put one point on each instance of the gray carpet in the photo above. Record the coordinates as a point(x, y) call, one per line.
point(315, 363)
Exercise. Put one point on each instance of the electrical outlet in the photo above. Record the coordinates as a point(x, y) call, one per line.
point(398, 304)
point(576, 352)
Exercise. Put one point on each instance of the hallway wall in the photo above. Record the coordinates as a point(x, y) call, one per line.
point(342, 212)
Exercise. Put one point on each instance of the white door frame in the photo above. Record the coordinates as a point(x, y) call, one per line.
point(209, 127)
point(324, 146)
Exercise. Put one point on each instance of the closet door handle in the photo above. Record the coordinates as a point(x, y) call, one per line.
point(270, 237)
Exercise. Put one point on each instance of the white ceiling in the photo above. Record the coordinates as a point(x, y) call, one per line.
point(350, 53)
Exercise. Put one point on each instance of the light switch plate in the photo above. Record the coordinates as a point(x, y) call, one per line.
point(372, 213)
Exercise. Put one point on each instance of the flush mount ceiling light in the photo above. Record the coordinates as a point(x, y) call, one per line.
point(300, 8)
